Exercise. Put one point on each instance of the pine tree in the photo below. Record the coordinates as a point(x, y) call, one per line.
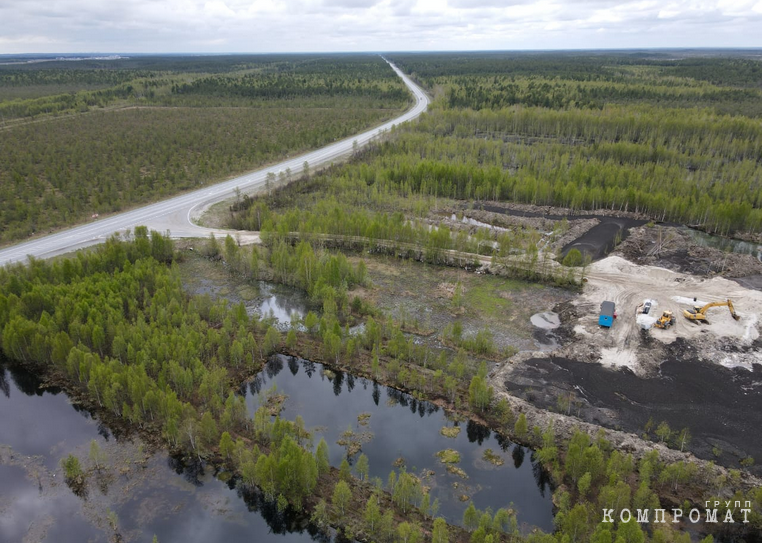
point(521, 427)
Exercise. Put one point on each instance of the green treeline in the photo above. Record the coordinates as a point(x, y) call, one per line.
point(331, 217)
point(551, 93)
point(325, 81)
point(558, 80)
point(27, 84)
point(79, 102)
point(674, 140)
point(699, 169)
point(66, 76)
point(331, 220)
point(369, 77)
point(695, 168)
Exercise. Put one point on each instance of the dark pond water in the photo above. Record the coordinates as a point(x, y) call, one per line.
point(406, 428)
point(261, 298)
point(160, 496)
point(25, 508)
point(189, 504)
point(279, 302)
point(725, 244)
point(42, 422)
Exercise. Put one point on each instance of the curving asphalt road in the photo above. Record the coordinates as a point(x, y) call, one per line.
point(175, 214)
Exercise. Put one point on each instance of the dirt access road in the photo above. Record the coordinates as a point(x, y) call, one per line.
point(628, 285)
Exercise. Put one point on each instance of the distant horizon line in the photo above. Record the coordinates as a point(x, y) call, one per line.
point(380, 51)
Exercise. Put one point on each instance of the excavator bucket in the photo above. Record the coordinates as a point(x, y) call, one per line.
point(733, 310)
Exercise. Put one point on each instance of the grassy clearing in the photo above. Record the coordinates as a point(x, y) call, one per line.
point(431, 298)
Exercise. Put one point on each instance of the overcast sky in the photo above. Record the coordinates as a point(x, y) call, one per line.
point(70, 26)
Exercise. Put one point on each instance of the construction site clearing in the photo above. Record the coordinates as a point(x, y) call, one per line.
point(633, 340)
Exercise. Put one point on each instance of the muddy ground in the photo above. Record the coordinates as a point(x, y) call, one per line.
point(425, 296)
point(723, 418)
point(673, 248)
point(601, 232)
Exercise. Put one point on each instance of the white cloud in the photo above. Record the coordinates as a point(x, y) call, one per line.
point(371, 25)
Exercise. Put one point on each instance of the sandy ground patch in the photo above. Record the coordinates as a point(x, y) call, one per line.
point(628, 285)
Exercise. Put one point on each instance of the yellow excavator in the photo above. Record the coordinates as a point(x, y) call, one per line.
point(699, 313)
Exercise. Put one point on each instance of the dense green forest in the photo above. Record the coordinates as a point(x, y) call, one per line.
point(493, 80)
point(675, 140)
point(61, 172)
point(516, 129)
point(699, 169)
point(254, 81)
point(172, 130)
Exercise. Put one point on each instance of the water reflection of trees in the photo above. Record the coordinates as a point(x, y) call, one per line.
point(337, 382)
point(518, 454)
point(279, 305)
point(541, 477)
point(103, 431)
point(25, 381)
point(287, 521)
point(309, 367)
point(192, 469)
point(256, 384)
point(83, 411)
point(476, 432)
point(406, 400)
point(503, 442)
point(283, 522)
point(5, 386)
point(274, 366)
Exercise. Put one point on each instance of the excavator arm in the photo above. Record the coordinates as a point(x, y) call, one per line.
point(733, 310)
point(699, 313)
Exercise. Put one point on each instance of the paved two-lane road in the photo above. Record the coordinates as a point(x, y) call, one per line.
point(174, 215)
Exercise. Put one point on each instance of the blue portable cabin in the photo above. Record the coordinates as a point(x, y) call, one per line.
point(608, 313)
